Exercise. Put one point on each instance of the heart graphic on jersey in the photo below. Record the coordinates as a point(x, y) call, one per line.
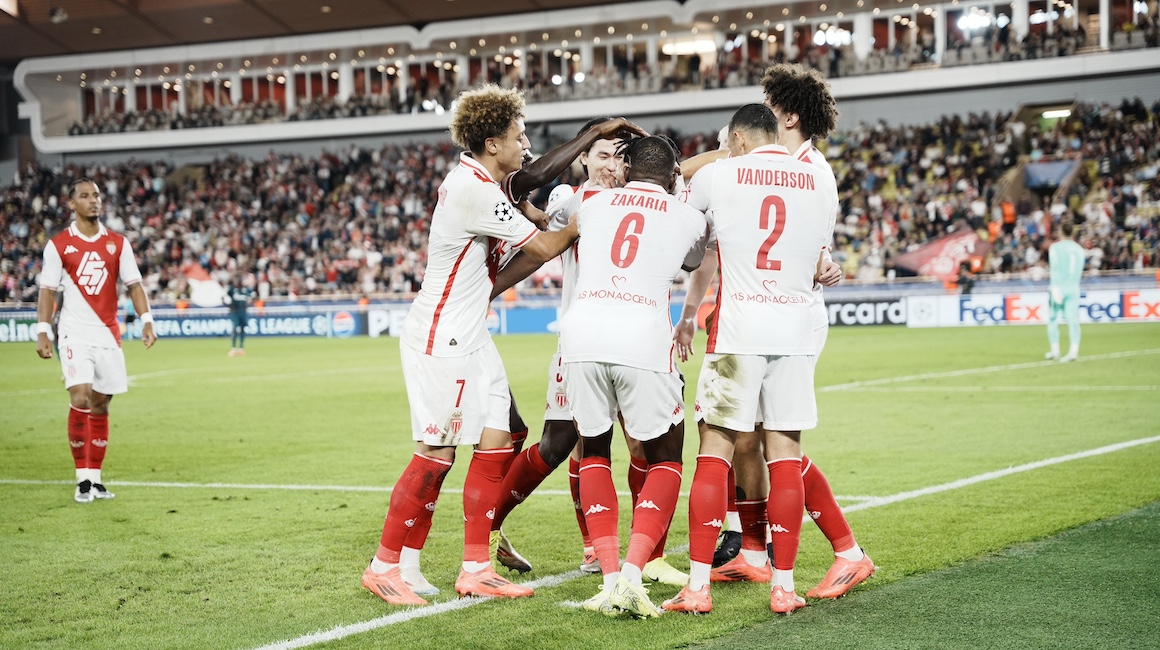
point(769, 285)
point(617, 279)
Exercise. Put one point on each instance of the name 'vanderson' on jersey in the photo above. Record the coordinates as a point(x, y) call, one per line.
point(770, 214)
point(633, 242)
point(473, 223)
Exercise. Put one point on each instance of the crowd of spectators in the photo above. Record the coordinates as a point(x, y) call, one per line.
point(355, 222)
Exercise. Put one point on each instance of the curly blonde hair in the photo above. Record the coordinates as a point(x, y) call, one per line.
point(486, 112)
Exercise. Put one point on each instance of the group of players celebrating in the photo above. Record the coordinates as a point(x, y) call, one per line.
point(760, 212)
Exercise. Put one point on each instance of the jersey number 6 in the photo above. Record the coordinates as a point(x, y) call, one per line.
point(772, 209)
point(627, 240)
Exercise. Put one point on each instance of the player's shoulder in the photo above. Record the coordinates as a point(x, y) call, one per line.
point(559, 195)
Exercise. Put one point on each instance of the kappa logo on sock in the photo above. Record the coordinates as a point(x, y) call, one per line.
point(100, 443)
point(491, 514)
point(597, 508)
point(715, 523)
point(518, 497)
point(410, 523)
point(76, 444)
point(431, 506)
point(647, 503)
point(778, 528)
point(814, 514)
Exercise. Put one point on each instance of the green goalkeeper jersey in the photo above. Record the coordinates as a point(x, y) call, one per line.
point(1067, 259)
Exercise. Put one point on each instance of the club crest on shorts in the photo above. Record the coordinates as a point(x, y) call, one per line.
point(111, 247)
point(561, 398)
point(456, 423)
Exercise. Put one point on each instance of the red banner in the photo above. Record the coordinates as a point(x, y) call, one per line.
point(940, 258)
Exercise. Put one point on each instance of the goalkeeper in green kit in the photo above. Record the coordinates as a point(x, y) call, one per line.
point(1066, 261)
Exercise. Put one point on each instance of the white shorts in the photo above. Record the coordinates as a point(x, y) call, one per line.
point(558, 407)
point(820, 336)
point(104, 368)
point(454, 398)
point(735, 390)
point(649, 401)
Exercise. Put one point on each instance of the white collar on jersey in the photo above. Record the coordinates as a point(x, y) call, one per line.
point(644, 186)
point(770, 148)
point(803, 152)
point(466, 159)
point(76, 232)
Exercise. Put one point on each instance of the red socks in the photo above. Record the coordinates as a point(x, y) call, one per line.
point(754, 521)
point(637, 471)
point(823, 508)
point(731, 503)
point(98, 439)
point(601, 511)
point(574, 486)
point(524, 475)
point(707, 506)
point(786, 501)
point(518, 438)
point(417, 536)
point(480, 494)
point(416, 488)
point(653, 512)
point(78, 435)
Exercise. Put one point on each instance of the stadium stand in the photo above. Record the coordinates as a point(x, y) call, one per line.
point(354, 222)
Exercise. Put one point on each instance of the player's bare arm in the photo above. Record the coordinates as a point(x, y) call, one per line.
point(141, 304)
point(534, 214)
point(553, 163)
point(690, 166)
point(45, 305)
point(547, 245)
point(686, 328)
point(519, 267)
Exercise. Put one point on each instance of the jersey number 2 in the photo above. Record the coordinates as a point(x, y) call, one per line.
point(772, 209)
point(627, 240)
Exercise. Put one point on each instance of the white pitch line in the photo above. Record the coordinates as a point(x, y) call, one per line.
point(309, 488)
point(981, 371)
point(344, 631)
point(1000, 389)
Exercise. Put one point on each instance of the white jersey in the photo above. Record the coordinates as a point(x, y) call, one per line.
point(770, 215)
point(808, 153)
point(560, 212)
point(633, 242)
point(87, 270)
point(473, 225)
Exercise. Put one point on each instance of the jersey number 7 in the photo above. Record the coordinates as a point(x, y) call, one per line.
point(772, 209)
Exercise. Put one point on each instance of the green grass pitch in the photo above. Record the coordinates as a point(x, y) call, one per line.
point(206, 546)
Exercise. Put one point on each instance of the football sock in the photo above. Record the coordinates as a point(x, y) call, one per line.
point(754, 523)
point(524, 475)
point(755, 558)
point(601, 511)
point(706, 507)
point(653, 511)
point(783, 579)
point(632, 573)
point(378, 566)
point(98, 441)
point(699, 575)
point(417, 536)
point(78, 437)
point(418, 486)
point(823, 508)
point(732, 519)
point(786, 502)
point(480, 493)
point(574, 486)
point(518, 439)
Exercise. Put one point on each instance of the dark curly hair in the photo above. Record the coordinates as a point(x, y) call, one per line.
point(795, 89)
point(486, 112)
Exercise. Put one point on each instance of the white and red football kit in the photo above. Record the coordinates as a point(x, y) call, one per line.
point(456, 383)
point(87, 271)
point(616, 337)
point(766, 208)
point(809, 153)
